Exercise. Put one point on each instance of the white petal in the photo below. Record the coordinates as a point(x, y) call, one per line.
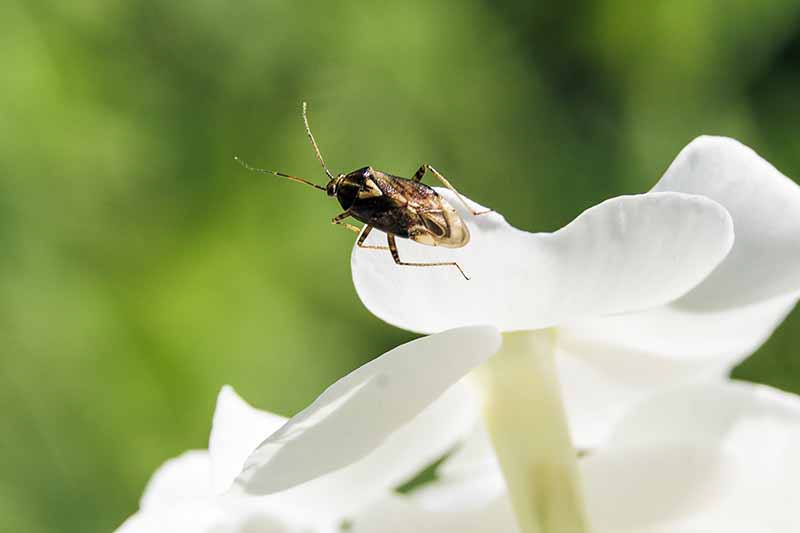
point(613, 361)
point(237, 430)
point(212, 516)
point(199, 516)
point(734, 414)
point(475, 454)
point(722, 337)
point(400, 515)
point(627, 253)
point(628, 490)
point(184, 478)
point(765, 207)
point(346, 491)
point(470, 477)
point(705, 458)
point(358, 413)
point(597, 391)
point(608, 363)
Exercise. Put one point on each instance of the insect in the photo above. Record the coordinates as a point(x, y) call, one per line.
point(400, 207)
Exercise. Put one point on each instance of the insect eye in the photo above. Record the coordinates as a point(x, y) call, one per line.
point(330, 188)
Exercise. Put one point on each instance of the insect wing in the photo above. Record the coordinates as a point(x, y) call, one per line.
point(406, 192)
point(435, 222)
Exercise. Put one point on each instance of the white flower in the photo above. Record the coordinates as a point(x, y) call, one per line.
point(401, 514)
point(626, 283)
point(188, 493)
point(638, 294)
point(716, 458)
point(701, 458)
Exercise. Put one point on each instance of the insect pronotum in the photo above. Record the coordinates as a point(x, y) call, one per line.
point(400, 207)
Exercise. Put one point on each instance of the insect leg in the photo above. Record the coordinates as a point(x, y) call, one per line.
point(396, 257)
point(338, 220)
point(363, 238)
point(421, 172)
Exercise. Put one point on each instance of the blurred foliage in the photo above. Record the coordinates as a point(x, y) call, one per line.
point(142, 268)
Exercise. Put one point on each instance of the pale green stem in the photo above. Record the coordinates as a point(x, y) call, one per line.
point(524, 415)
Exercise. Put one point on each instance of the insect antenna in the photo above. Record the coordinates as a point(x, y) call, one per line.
point(281, 174)
point(314, 143)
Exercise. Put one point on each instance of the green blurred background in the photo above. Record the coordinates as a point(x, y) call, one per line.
point(141, 268)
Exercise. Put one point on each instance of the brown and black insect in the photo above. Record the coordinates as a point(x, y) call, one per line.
point(397, 206)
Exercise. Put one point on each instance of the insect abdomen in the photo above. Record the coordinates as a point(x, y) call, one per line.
point(389, 219)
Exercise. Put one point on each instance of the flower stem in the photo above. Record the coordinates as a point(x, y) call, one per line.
point(524, 415)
